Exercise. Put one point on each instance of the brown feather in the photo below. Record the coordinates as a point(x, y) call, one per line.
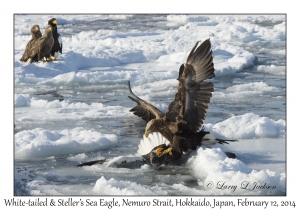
point(193, 91)
point(143, 109)
point(43, 46)
point(57, 47)
point(35, 35)
point(186, 113)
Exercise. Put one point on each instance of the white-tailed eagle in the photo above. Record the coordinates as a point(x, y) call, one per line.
point(42, 46)
point(35, 35)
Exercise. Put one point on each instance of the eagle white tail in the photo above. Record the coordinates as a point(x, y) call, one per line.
point(56, 54)
point(28, 62)
point(147, 144)
point(59, 40)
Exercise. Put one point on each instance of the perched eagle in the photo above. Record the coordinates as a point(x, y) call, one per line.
point(42, 46)
point(57, 46)
point(35, 35)
point(181, 124)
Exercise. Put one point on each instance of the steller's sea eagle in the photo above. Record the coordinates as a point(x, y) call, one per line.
point(181, 124)
point(35, 35)
point(57, 46)
point(42, 46)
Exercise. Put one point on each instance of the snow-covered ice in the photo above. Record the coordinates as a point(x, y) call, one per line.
point(76, 109)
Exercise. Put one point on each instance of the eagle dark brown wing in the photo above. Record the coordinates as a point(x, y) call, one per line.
point(35, 35)
point(45, 47)
point(193, 95)
point(44, 44)
point(144, 109)
point(57, 46)
point(28, 50)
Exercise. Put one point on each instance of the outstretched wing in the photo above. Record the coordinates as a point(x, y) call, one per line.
point(193, 95)
point(143, 109)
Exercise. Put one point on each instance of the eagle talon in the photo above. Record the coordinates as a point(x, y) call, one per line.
point(159, 152)
point(53, 58)
point(168, 151)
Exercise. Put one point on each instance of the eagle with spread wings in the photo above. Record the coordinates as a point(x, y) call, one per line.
point(182, 124)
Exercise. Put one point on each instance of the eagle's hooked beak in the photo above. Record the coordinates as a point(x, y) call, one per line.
point(159, 152)
point(54, 22)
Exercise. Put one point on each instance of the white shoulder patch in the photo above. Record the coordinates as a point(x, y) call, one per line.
point(59, 40)
point(56, 54)
point(147, 144)
point(209, 140)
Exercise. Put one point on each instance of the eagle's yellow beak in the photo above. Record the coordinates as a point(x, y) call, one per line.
point(54, 22)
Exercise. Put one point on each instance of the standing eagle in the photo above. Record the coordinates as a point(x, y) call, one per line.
point(42, 46)
point(181, 124)
point(57, 46)
point(35, 35)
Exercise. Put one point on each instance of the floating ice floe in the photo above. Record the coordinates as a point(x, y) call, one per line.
point(248, 126)
point(41, 143)
point(222, 175)
point(272, 69)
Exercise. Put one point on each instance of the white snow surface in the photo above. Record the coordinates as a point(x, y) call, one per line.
point(213, 166)
point(76, 109)
point(248, 126)
point(42, 143)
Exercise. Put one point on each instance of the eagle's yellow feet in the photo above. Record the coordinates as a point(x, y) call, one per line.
point(160, 153)
point(53, 58)
point(47, 59)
